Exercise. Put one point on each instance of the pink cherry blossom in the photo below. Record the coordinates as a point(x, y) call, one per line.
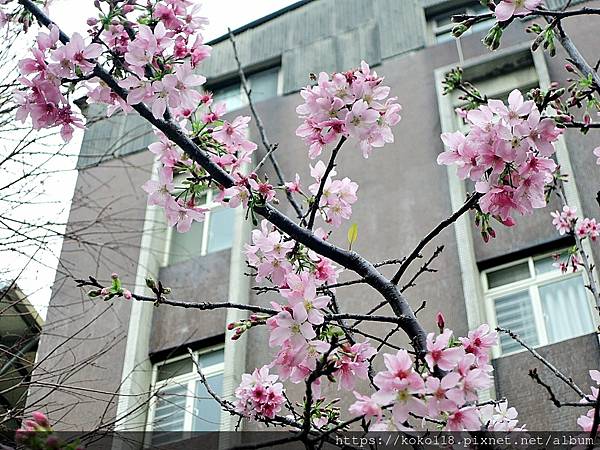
point(509, 8)
point(597, 153)
point(181, 214)
point(159, 191)
point(291, 327)
point(365, 406)
point(479, 342)
point(464, 419)
point(438, 353)
point(353, 364)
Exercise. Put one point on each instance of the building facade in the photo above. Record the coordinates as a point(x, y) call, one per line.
point(141, 352)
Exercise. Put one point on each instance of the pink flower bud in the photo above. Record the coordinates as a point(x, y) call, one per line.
point(569, 68)
point(114, 275)
point(509, 222)
point(441, 321)
point(92, 21)
point(104, 292)
point(40, 418)
point(128, 8)
point(231, 326)
point(127, 294)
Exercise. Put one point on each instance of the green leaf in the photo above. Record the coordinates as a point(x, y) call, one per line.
point(352, 234)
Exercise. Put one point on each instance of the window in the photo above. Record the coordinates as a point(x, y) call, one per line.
point(263, 85)
point(441, 24)
point(535, 300)
point(212, 235)
point(181, 403)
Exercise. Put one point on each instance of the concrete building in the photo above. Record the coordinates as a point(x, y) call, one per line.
point(20, 329)
point(509, 281)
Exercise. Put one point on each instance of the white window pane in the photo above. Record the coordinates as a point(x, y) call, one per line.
point(207, 412)
point(169, 414)
point(186, 245)
point(174, 369)
point(231, 95)
point(566, 311)
point(515, 313)
point(220, 229)
point(264, 84)
point(211, 358)
point(508, 275)
point(545, 265)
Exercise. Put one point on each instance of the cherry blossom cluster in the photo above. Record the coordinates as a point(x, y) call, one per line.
point(338, 196)
point(507, 153)
point(420, 393)
point(586, 422)
point(299, 331)
point(259, 394)
point(352, 104)
point(510, 8)
point(36, 433)
point(566, 221)
point(51, 66)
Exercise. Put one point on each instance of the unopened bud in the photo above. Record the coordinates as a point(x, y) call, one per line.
point(459, 30)
point(491, 232)
point(231, 326)
point(150, 283)
point(40, 418)
point(485, 236)
point(127, 294)
point(104, 292)
point(92, 21)
point(569, 68)
point(441, 321)
point(114, 275)
point(128, 8)
point(509, 222)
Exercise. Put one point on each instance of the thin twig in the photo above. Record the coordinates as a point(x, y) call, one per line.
point(269, 149)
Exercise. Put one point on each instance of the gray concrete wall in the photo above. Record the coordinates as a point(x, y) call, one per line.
point(83, 342)
point(574, 358)
point(200, 279)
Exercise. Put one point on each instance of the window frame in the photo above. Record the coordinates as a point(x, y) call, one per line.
point(236, 80)
point(532, 284)
point(434, 31)
point(189, 379)
point(209, 204)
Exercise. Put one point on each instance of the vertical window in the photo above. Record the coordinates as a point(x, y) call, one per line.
point(212, 235)
point(441, 24)
point(181, 404)
point(263, 85)
point(537, 301)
